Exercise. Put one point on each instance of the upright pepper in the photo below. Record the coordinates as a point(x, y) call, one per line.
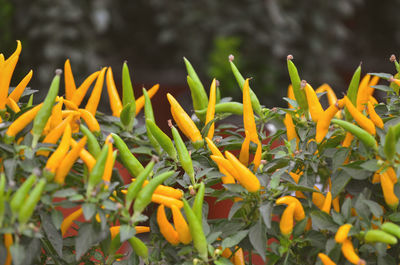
point(83, 88)
point(90, 120)
point(363, 121)
point(198, 202)
point(18, 199)
point(140, 101)
point(19, 89)
point(93, 144)
point(211, 109)
point(97, 172)
point(8, 241)
point(314, 105)
point(163, 140)
point(7, 71)
point(245, 177)
point(183, 154)
point(2, 197)
point(390, 144)
point(70, 86)
point(54, 160)
point(326, 207)
point(67, 222)
point(28, 207)
point(148, 114)
point(352, 90)
point(362, 94)
point(299, 93)
point(111, 156)
point(94, 98)
point(45, 111)
point(290, 128)
point(325, 120)
point(196, 230)
point(115, 101)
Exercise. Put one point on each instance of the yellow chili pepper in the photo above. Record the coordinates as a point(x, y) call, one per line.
point(250, 124)
point(388, 191)
point(350, 254)
point(114, 230)
point(13, 105)
point(19, 89)
point(325, 120)
point(318, 198)
point(298, 211)
point(115, 101)
point(226, 165)
point(296, 178)
point(67, 222)
point(22, 121)
point(90, 120)
point(81, 91)
point(374, 116)
point(86, 157)
point(165, 200)
point(244, 151)
point(290, 128)
point(326, 207)
point(290, 95)
point(227, 178)
point(166, 229)
point(286, 223)
point(245, 177)
point(94, 98)
point(342, 232)
point(163, 190)
point(392, 174)
point(238, 258)
point(6, 74)
point(8, 241)
point(54, 160)
point(373, 100)
point(314, 105)
point(211, 108)
point(1, 59)
point(109, 163)
point(363, 121)
point(362, 94)
point(181, 226)
point(347, 139)
point(70, 86)
point(56, 114)
point(70, 105)
point(140, 101)
point(69, 161)
point(336, 204)
point(325, 259)
point(183, 120)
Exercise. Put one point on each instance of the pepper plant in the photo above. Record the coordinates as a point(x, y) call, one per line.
point(322, 188)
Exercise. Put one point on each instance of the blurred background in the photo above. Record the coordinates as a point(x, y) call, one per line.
point(327, 38)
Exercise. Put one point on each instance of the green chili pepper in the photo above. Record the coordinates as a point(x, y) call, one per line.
point(225, 107)
point(93, 144)
point(391, 228)
point(196, 230)
point(183, 154)
point(128, 159)
point(18, 199)
point(361, 134)
point(299, 94)
point(217, 95)
point(353, 90)
point(380, 236)
point(128, 95)
point(28, 206)
point(255, 103)
point(97, 172)
point(198, 202)
point(390, 144)
point(199, 95)
point(2, 199)
point(163, 139)
point(45, 111)
point(30, 101)
point(144, 196)
point(139, 247)
point(136, 185)
point(148, 114)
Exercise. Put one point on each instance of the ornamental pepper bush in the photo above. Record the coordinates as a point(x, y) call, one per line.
point(321, 189)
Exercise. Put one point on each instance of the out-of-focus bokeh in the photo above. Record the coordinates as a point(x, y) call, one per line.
point(327, 38)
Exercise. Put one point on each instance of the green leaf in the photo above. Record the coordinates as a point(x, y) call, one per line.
point(222, 261)
point(382, 75)
point(51, 232)
point(258, 237)
point(89, 209)
point(235, 239)
point(235, 207)
point(339, 182)
point(394, 217)
point(17, 253)
point(64, 193)
point(323, 221)
point(374, 207)
point(370, 165)
point(346, 208)
point(266, 213)
point(383, 88)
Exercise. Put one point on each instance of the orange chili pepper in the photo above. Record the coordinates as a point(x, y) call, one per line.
point(245, 177)
point(166, 229)
point(388, 191)
point(19, 89)
point(22, 121)
point(347, 139)
point(67, 222)
point(54, 160)
point(94, 98)
point(70, 105)
point(244, 151)
point(81, 91)
point(326, 207)
point(115, 101)
point(324, 121)
point(13, 105)
point(70, 86)
point(342, 232)
point(90, 120)
point(6, 74)
point(350, 254)
point(86, 157)
point(314, 105)
point(227, 178)
point(363, 121)
point(238, 258)
point(286, 223)
point(290, 128)
point(298, 211)
point(362, 94)
point(165, 200)
point(290, 95)
point(114, 230)
point(8, 241)
point(325, 259)
point(181, 226)
point(211, 108)
point(109, 163)
point(140, 101)
point(374, 116)
point(56, 114)
point(69, 161)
